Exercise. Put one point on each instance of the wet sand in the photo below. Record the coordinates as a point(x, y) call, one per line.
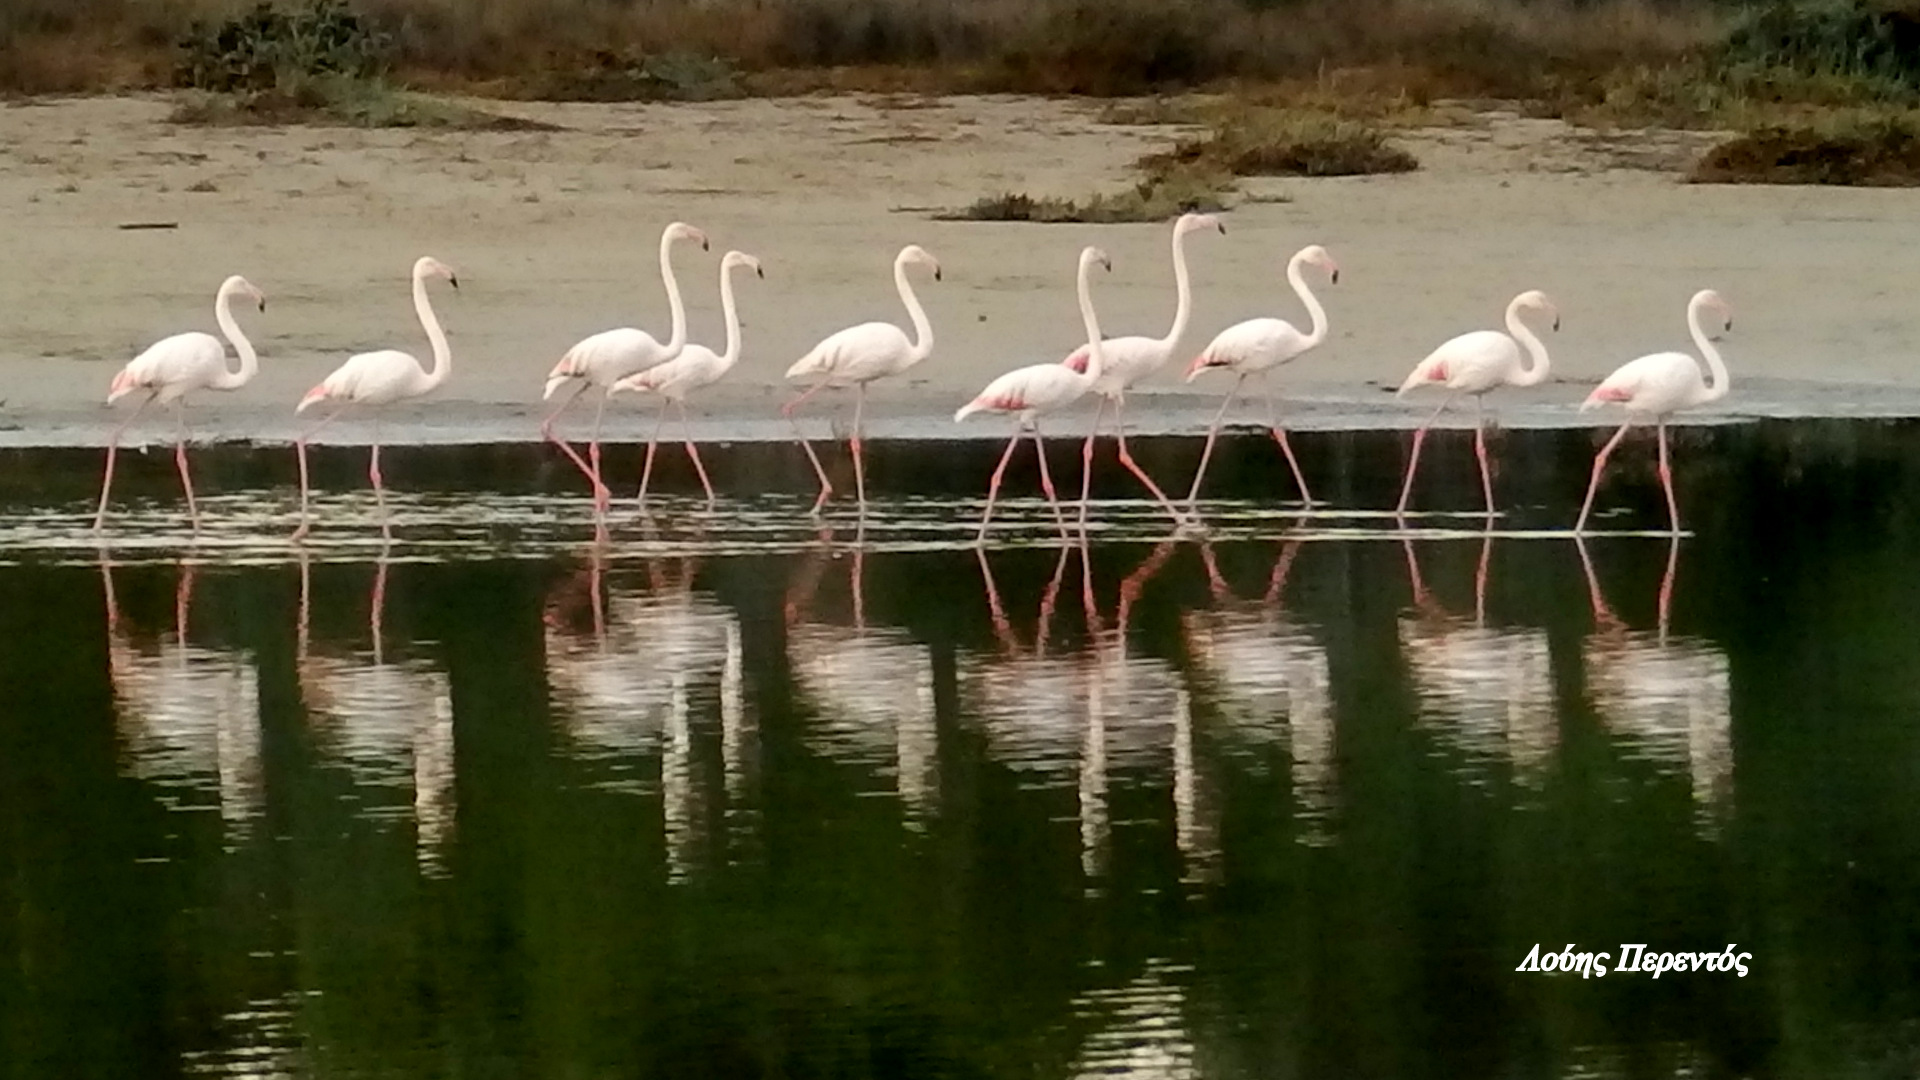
point(554, 234)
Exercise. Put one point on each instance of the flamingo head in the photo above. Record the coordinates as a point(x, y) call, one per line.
point(1707, 299)
point(1315, 255)
point(1190, 222)
point(1427, 371)
point(740, 258)
point(427, 266)
point(313, 396)
point(123, 384)
point(914, 253)
point(680, 230)
point(237, 285)
point(1535, 300)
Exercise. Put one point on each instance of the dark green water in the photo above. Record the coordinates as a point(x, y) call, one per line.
point(731, 800)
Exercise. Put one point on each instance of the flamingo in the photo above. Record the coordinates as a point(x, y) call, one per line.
point(1657, 386)
point(857, 356)
point(175, 366)
point(695, 367)
point(1475, 363)
point(1039, 388)
point(1130, 359)
point(1255, 347)
point(611, 355)
point(376, 379)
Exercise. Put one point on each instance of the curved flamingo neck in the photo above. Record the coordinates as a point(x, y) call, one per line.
point(1096, 350)
point(1317, 313)
point(1182, 292)
point(249, 360)
point(730, 315)
point(677, 336)
point(1718, 387)
point(442, 353)
point(1536, 371)
point(922, 328)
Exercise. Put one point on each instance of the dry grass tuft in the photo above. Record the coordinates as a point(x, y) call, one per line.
point(1867, 151)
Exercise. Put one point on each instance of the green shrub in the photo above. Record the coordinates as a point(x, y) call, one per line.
point(270, 48)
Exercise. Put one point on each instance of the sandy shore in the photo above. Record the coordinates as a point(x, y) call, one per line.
point(554, 236)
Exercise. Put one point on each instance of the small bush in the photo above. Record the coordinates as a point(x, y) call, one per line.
point(1854, 38)
point(1879, 152)
point(1148, 200)
point(269, 48)
point(1289, 145)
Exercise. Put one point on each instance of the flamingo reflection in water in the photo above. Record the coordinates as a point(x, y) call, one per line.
point(1667, 695)
point(188, 716)
point(389, 723)
point(1269, 678)
point(1486, 691)
point(870, 691)
point(627, 686)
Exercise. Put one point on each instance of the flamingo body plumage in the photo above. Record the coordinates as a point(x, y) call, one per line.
point(1035, 389)
point(1479, 362)
point(178, 365)
point(1257, 346)
point(1655, 387)
point(603, 359)
point(695, 367)
point(857, 356)
point(374, 379)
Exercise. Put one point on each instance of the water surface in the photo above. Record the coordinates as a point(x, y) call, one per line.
point(724, 794)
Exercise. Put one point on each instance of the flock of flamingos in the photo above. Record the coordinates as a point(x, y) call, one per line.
point(627, 360)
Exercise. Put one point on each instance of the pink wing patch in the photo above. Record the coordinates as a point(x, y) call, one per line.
point(1077, 360)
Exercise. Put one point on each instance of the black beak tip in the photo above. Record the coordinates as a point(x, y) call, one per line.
point(454, 281)
point(1729, 326)
point(759, 273)
point(704, 246)
point(936, 273)
point(1335, 276)
point(263, 305)
point(1556, 322)
point(1223, 227)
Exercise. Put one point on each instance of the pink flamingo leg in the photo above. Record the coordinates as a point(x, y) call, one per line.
point(653, 443)
point(1126, 458)
point(787, 410)
point(1599, 464)
point(1206, 454)
point(1046, 483)
point(113, 446)
point(694, 453)
point(1666, 478)
point(1480, 580)
point(859, 467)
point(379, 487)
point(1280, 436)
point(300, 453)
point(180, 459)
point(1086, 459)
point(1413, 459)
point(1480, 451)
point(993, 486)
point(546, 430)
point(378, 605)
point(1666, 585)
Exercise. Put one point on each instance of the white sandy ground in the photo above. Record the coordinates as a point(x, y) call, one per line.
point(554, 235)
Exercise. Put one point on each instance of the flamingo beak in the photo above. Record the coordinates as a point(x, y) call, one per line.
point(759, 273)
point(263, 303)
point(1556, 321)
point(936, 271)
point(454, 280)
point(1334, 275)
point(1222, 226)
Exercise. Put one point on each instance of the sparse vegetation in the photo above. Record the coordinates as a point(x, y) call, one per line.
point(1874, 151)
point(1289, 144)
point(1149, 200)
point(1321, 83)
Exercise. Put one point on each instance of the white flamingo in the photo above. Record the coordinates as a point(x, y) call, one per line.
point(1040, 388)
point(857, 356)
point(1257, 346)
point(173, 367)
point(380, 378)
point(612, 355)
point(695, 367)
point(1132, 358)
point(1476, 363)
point(1656, 387)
